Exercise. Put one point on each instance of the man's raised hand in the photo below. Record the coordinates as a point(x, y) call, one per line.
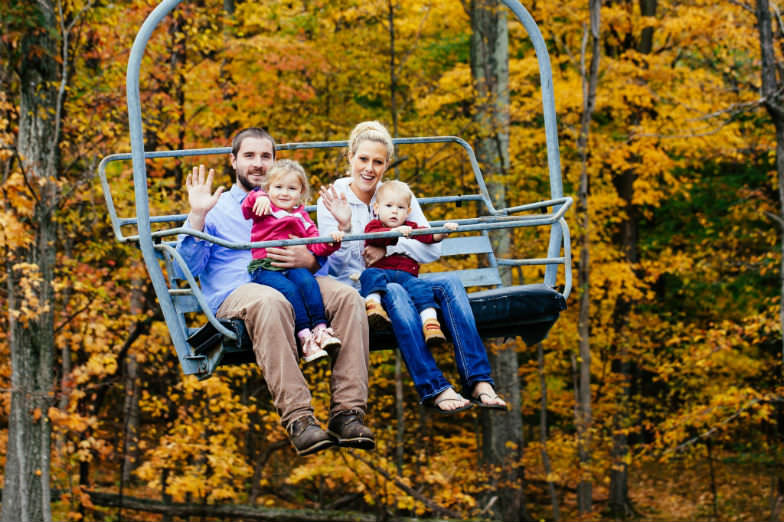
point(200, 195)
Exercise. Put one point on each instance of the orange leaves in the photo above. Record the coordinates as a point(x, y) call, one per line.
point(71, 421)
point(201, 447)
point(29, 289)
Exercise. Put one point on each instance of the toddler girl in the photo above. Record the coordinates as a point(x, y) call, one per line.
point(278, 213)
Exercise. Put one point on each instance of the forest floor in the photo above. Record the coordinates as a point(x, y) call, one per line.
point(736, 489)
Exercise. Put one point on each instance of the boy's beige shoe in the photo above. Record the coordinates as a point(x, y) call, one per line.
point(377, 317)
point(433, 334)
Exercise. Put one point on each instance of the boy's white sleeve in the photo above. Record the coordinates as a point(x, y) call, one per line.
point(417, 250)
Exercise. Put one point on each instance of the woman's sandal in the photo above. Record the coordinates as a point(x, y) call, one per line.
point(478, 401)
point(436, 405)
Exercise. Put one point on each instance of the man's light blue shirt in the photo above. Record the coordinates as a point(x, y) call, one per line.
point(220, 270)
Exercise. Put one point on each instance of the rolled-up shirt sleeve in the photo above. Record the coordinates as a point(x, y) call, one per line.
point(196, 252)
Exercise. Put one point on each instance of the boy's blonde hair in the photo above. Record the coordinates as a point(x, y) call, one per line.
point(370, 131)
point(395, 187)
point(287, 166)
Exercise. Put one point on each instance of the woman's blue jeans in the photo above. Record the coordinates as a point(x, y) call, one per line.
point(457, 317)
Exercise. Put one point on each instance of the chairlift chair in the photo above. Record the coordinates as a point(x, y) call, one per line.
point(526, 310)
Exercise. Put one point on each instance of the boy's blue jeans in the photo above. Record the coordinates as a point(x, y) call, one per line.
point(300, 288)
point(377, 279)
point(470, 355)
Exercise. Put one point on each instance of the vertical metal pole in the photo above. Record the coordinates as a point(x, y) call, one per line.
point(140, 180)
point(550, 125)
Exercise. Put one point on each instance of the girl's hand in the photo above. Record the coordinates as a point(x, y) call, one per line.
point(449, 226)
point(261, 206)
point(337, 236)
point(337, 205)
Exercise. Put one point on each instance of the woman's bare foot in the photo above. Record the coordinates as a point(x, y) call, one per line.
point(485, 396)
point(449, 401)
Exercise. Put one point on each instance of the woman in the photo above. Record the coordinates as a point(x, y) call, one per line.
point(346, 206)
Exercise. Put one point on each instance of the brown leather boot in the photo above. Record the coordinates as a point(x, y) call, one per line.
point(346, 426)
point(307, 436)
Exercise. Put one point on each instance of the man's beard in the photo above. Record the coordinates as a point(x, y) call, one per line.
point(243, 180)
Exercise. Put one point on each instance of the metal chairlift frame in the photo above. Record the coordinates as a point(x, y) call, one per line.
point(154, 248)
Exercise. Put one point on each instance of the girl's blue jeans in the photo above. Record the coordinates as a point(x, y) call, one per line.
point(300, 288)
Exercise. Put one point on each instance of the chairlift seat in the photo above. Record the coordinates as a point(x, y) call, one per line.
point(525, 310)
point(528, 311)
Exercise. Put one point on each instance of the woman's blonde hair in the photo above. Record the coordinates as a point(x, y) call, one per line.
point(370, 131)
point(286, 166)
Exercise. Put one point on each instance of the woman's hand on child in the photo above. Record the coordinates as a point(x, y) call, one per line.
point(372, 254)
point(261, 206)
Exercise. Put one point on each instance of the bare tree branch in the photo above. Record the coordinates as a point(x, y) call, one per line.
point(713, 429)
point(775, 217)
point(747, 7)
point(407, 489)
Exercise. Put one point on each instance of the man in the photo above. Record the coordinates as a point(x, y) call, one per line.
point(268, 316)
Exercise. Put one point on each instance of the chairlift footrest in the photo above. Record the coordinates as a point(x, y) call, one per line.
point(207, 339)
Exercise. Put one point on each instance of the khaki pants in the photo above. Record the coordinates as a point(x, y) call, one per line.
point(269, 320)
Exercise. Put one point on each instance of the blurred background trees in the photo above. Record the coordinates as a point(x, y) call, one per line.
point(685, 258)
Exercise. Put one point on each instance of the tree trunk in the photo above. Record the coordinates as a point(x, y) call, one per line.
point(242, 512)
point(502, 437)
point(131, 413)
point(399, 402)
point(30, 272)
point(543, 434)
point(490, 72)
point(619, 504)
point(583, 410)
point(771, 95)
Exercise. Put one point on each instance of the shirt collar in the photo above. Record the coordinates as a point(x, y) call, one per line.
point(238, 193)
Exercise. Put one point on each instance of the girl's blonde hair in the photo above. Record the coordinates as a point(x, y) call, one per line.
point(287, 166)
point(370, 131)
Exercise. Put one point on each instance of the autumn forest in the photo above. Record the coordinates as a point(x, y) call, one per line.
point(656, 396)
